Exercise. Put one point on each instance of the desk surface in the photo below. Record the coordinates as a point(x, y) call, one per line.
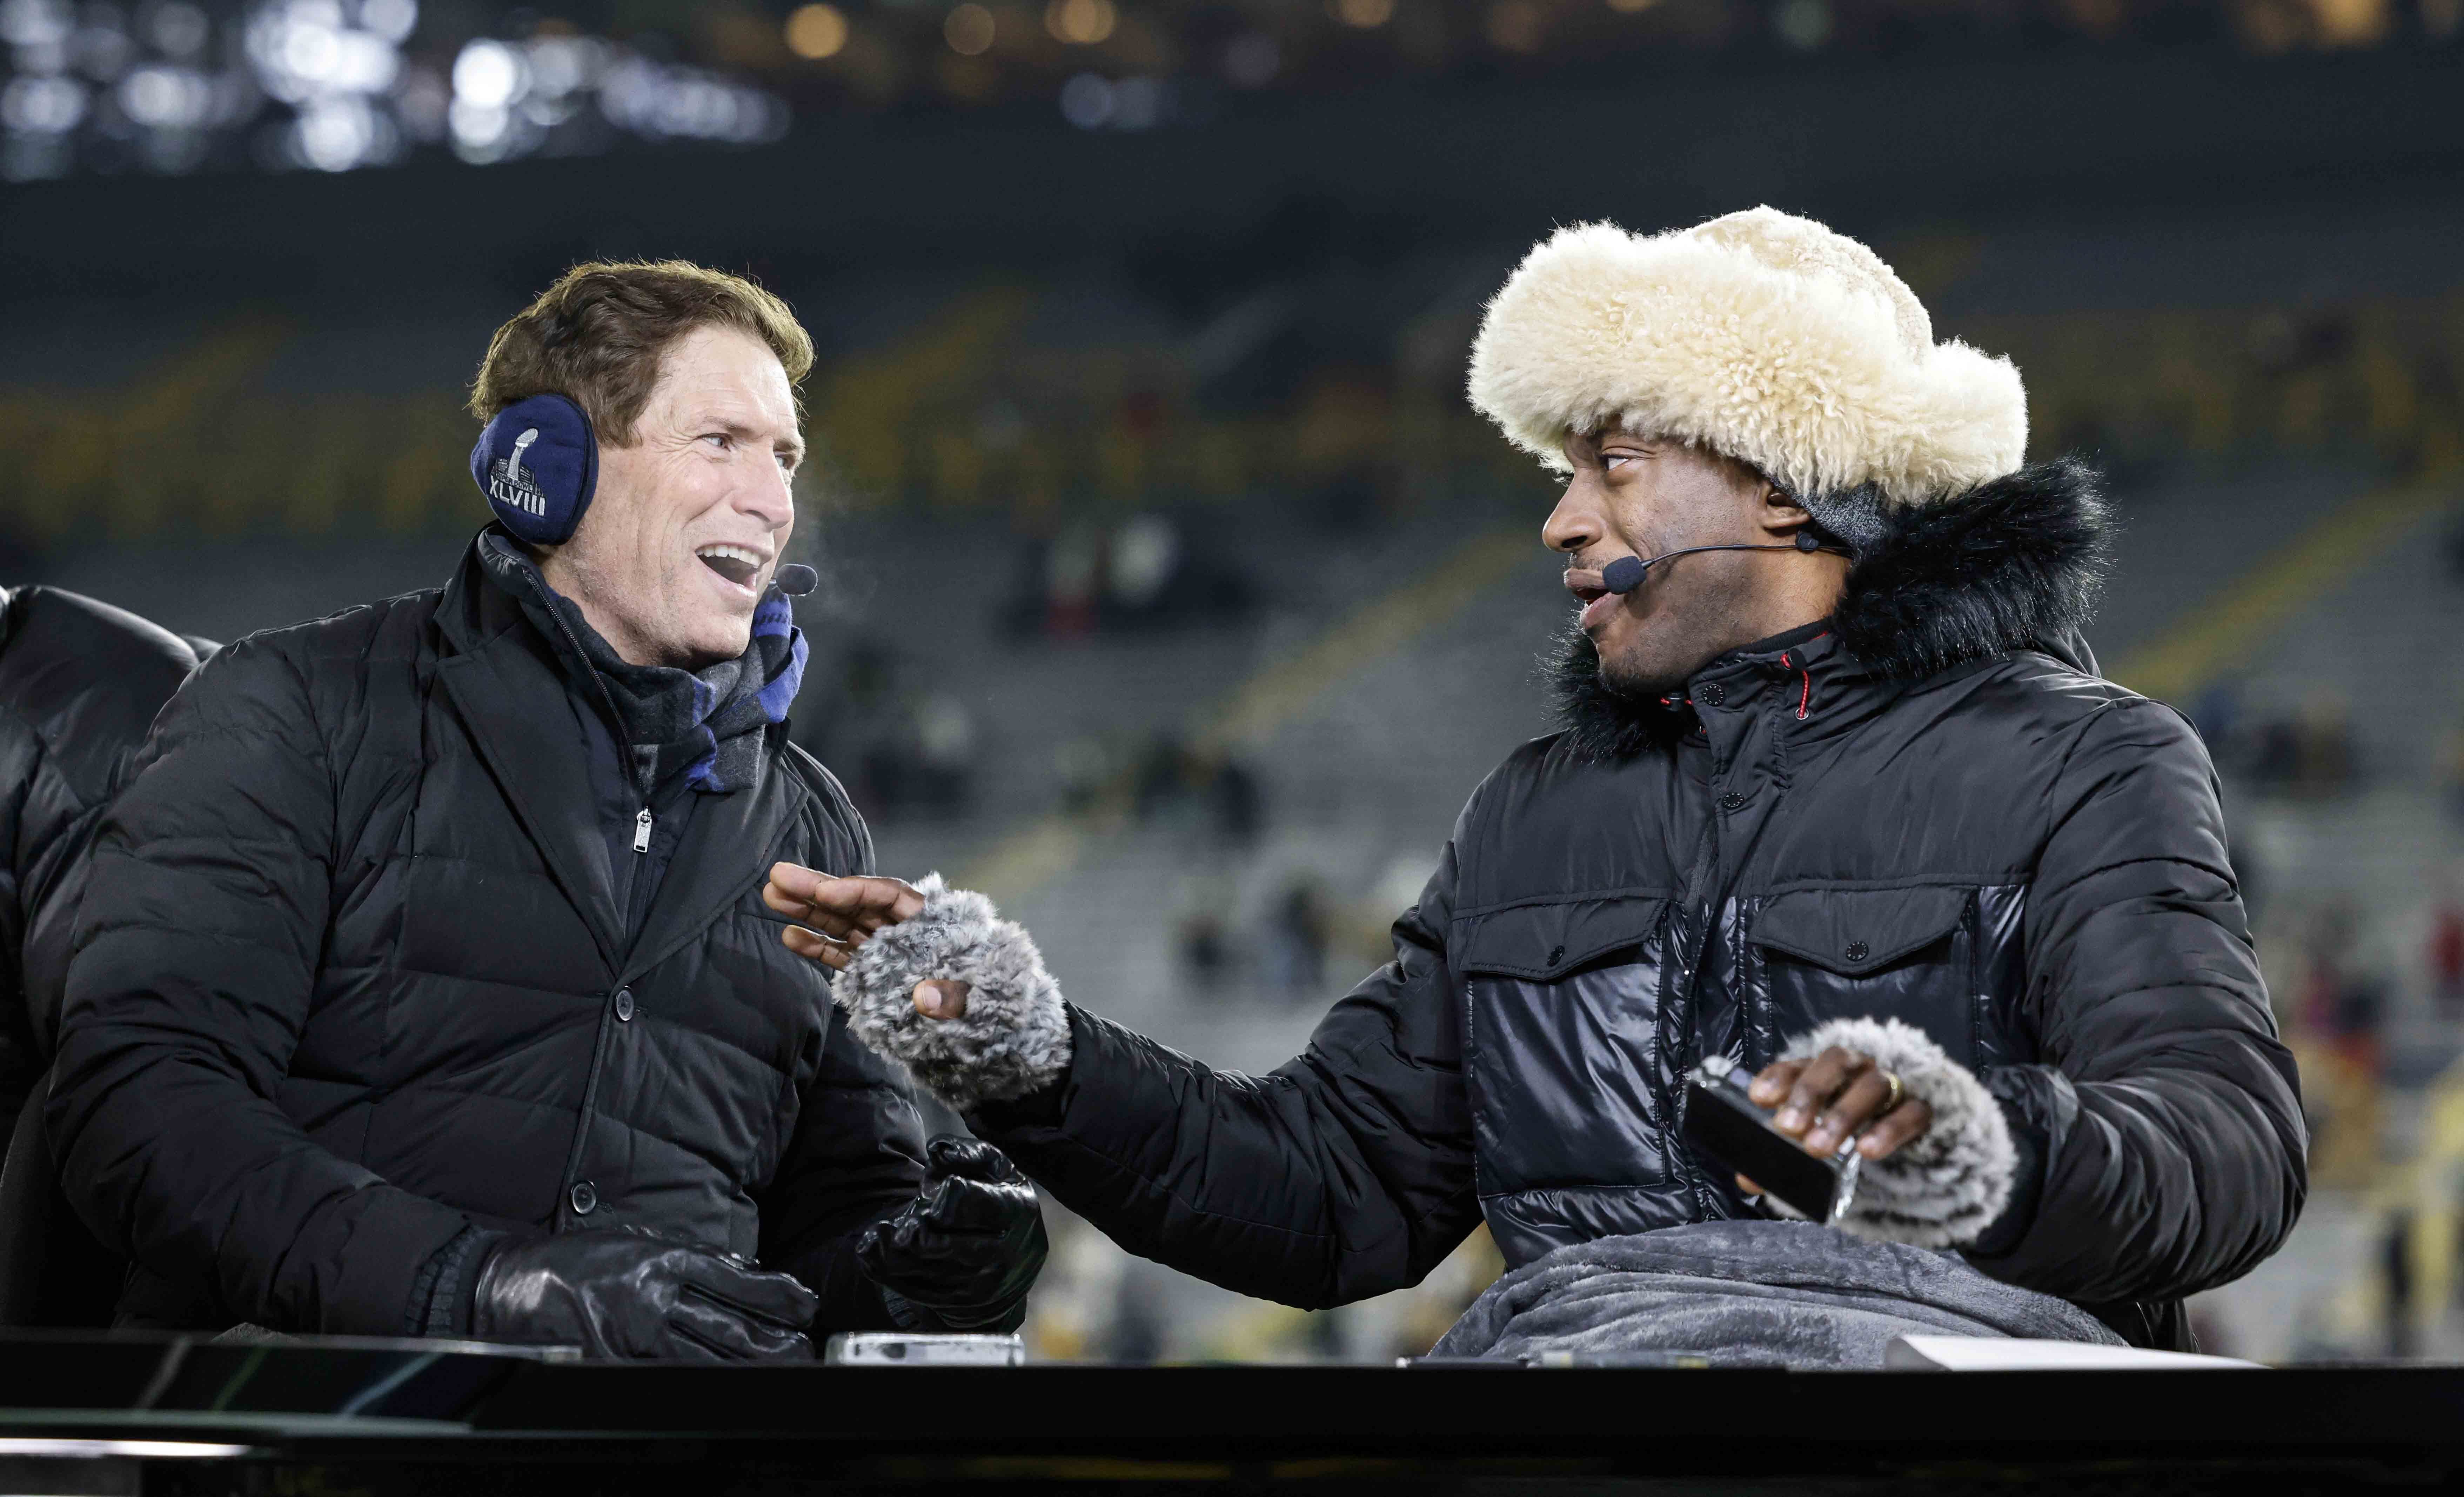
point(400, 1405)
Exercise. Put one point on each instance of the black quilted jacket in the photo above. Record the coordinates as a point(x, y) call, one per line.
point(1927, 806)
point(350, 975)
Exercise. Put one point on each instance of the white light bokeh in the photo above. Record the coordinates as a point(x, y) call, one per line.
point(336, 135)
point(488, 75)
point(343, 93)
point(394, 20)
point(1087, 101)
point(164, 97)
point(179, 29)
point(36, 23)
point(42, 105)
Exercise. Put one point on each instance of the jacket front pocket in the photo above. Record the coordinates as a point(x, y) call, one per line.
point(1901, 953)
point(1562, 1052)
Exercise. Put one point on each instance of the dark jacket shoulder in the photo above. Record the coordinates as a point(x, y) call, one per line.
point(85, 681)
point(829, 802)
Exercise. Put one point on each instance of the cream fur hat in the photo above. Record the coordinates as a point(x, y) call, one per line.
point(1762, 336)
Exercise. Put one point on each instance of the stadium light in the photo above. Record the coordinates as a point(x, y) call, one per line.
point(1081, 23)
point(816, 32)
point(969, 29)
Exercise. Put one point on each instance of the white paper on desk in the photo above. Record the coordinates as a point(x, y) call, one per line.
point(2010, 1354)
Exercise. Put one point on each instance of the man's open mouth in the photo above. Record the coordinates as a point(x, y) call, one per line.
point(1598, 602)
point(739, 564)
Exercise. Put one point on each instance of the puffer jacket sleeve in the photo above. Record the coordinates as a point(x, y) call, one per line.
point(2162, 1127)
point(196, 957)
point(856, 1157)
point(1343, 1174)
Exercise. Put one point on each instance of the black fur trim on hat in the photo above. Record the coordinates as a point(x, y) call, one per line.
point(2014, 564)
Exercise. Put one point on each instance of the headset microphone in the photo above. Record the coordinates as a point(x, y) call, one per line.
point(1626, 573)
point(795, 579)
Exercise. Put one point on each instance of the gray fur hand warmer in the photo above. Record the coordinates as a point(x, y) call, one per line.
point(1014, 1038)
point(1943, 1188)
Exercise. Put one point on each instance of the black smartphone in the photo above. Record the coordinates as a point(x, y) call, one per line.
point(1721, 1121)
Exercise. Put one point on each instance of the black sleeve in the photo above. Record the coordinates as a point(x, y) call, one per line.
point(1345, 1173)
point(2164, 1121)
point(856, 1157)
point(197, 951)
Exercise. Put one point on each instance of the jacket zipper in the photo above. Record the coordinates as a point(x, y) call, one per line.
point(615, 718)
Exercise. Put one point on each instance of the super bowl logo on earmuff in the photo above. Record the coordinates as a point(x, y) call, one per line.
point(538, 464)
point(509, 484)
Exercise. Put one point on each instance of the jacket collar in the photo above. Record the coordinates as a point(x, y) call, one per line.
point(2015, 563)
point(495, 672)
point(2012, 564)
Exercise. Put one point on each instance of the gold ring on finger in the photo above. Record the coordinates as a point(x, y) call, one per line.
point(1899, 1092)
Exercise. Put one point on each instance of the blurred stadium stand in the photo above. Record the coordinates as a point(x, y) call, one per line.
point(1172, 593)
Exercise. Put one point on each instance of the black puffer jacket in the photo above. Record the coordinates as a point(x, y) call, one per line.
point(81, 682)
point(352, 975)
point(1927, 807)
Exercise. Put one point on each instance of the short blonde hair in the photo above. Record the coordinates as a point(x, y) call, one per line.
point(596, 338)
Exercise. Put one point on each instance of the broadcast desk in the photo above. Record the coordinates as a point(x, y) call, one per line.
point(127, 1414)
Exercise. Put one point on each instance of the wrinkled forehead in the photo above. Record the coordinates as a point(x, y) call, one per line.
point(720, 372)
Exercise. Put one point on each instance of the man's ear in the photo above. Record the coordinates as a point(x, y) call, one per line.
point(1782, 517)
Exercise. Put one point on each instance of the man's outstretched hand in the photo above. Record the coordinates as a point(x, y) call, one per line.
point(834, 915)
point(1838, 1095)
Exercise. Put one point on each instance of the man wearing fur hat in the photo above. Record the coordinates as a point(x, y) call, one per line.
point(1838, 796)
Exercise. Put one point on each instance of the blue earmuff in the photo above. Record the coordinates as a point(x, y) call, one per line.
point(538, 463)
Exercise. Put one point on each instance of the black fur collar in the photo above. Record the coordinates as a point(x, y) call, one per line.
point(1597, 721)
point(2012, 564)
point(2015, 563)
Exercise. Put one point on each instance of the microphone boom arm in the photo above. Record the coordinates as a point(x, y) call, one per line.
point(1626, 573)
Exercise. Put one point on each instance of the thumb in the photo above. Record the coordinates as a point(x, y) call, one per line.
point(938, 998)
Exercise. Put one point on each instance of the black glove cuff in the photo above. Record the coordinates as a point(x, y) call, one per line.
point(907, 1315)
point(440, 1296)
point(966, 1320)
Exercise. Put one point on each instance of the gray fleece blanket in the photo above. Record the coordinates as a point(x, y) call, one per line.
point(1748, 1294)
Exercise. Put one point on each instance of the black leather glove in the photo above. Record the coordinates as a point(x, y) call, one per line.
point(968, 1250)
point(623, 1295)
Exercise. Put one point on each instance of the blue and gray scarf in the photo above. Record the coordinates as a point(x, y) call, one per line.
point(706, 725)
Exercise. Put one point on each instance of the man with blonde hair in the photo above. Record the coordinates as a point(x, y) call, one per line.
point(423, 985)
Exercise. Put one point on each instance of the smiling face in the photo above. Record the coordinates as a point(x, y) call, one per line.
point(691, 517)
point(1644, 497)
